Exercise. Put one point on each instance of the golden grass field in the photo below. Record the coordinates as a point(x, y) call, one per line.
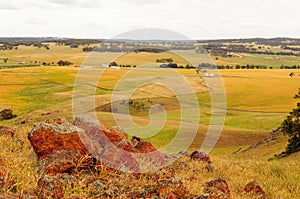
point(257, 100)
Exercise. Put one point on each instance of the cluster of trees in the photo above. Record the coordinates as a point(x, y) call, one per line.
point(290, 67)
point(225, 50)
point(14, 44)
point(164, 60)
point(64, 63)
point(174, 65)
point(280, 41)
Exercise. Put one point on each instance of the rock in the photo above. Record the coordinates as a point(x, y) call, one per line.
point(209, 167)
point(203, 196)
point(115, 150)
point(97, 187)
point(5, 177)
point(4, 130)
point(46, 137)
point(200, 155)
point(253, 187)
point(63, 161)
point(170, 188)
point(49, 187)
point(218, 189)
point(147, 150)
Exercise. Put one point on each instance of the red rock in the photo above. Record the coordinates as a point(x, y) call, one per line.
point(199, 155)
point(49, 187)
point(147, 151)
point(218, 189)
point(170, 188)
point(5, 177)
point(63, 161)
point(4, 130)
point(253, 187)
point(45, 138)
point(115, 149)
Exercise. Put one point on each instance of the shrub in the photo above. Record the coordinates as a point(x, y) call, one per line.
point(7, 114)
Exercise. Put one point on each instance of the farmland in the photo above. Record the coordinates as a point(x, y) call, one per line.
point(258, 100)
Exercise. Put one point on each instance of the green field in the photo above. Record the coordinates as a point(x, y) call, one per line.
point(253, 105)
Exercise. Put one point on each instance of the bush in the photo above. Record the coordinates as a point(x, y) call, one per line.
point(291, 127)
point(7, 114)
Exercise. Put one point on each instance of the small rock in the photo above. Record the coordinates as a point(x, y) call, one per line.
point(253, 187)
point(173, 186)
point(200, 155)
point(49, 187)
point(218, 189)
point(5, 177)
point(4, 130)
point(203, 196)
point(209, 167)
point(97, 187)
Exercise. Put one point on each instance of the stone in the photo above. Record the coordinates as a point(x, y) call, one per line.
point(46, 137)
point(254, 188)
point(147, 151)
point(203, 196)
point(200, 155)
point(4, 130)
point(115, 150)
point(63, 161)
point(170, 188)
point(50, 187)
point(5, 177)
point(218, 189)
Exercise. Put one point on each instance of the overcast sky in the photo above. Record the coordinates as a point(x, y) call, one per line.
point(197, 19)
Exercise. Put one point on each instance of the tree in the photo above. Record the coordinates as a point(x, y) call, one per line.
point(64, 63)
point(7, 114)
point(5, 60)
point(291, 127)
point(113, 64)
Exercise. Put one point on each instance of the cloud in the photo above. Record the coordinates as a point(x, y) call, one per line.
point(143, 2)
point(79, 3)
point(35, 21)
point(10, 5)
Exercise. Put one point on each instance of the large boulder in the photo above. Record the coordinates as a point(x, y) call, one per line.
point(217, 189)
point(47, 137)
point(109, 146)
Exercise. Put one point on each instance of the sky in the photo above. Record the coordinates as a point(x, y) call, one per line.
point(195, 19)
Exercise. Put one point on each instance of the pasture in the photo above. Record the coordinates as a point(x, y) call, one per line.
point(257, 100)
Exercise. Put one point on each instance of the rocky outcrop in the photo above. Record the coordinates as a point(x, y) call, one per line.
point(254, 188)
point(217, 189)
point(60, 144)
